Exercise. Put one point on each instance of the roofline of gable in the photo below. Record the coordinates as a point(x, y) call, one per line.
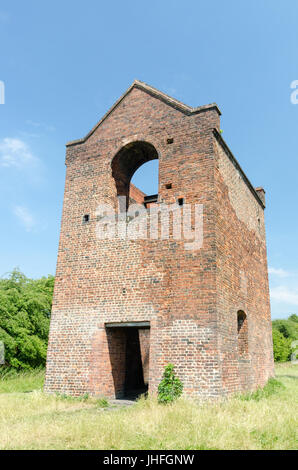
point(233, 159)
point(157, 94)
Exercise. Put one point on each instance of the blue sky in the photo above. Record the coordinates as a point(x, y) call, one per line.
point(65, 63)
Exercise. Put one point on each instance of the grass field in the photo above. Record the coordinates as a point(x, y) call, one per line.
point(29, 419)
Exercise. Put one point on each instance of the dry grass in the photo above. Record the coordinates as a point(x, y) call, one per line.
point(34, 420)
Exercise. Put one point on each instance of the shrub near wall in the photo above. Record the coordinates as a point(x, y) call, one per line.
point(171, 387)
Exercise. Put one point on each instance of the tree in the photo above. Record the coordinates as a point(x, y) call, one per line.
point(25, 307)
point(294, 318)
point(284, 332)
point(281, 346)
point(289, 327)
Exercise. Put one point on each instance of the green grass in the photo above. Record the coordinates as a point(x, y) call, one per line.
point(273, 386)
point(265, 419)
point(12, 382)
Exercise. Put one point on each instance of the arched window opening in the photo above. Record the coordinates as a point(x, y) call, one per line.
point(242, 333)
point(125, 165)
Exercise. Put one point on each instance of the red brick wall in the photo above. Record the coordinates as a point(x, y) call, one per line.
point(242, 280)
point(136, 195)
point(189, 297)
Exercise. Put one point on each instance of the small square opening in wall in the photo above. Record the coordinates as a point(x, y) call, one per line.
point(170, 140)
point(180, 201)
point(86, 218)
point(169, 186)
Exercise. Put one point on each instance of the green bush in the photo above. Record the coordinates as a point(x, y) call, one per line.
point(281, 346)
point(170, 388)
point(284, 332)
point(25, 307)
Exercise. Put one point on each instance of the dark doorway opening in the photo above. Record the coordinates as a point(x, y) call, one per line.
point(134, 383)
point(129, 356)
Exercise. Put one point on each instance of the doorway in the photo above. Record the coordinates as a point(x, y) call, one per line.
point(129, 356)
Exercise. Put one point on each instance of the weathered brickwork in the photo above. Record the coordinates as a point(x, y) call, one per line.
point(242, 279)
point(189, 298)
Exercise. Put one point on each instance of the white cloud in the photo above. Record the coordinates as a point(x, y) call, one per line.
point(278, 272)
point(284, 294)
point(25, 217)
point(16, 153)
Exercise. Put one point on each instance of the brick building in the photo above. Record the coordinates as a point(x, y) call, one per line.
point(124, 308)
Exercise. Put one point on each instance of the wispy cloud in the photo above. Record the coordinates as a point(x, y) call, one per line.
point(285, 294)
point(283, 291)
point(16, 153)
point(278, 272)
point(40, 125)
point(26, 218)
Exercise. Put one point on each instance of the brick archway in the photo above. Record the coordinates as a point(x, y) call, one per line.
point(127, 161)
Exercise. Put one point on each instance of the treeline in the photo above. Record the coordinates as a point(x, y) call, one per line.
point(284, 333)
point(25, 308)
